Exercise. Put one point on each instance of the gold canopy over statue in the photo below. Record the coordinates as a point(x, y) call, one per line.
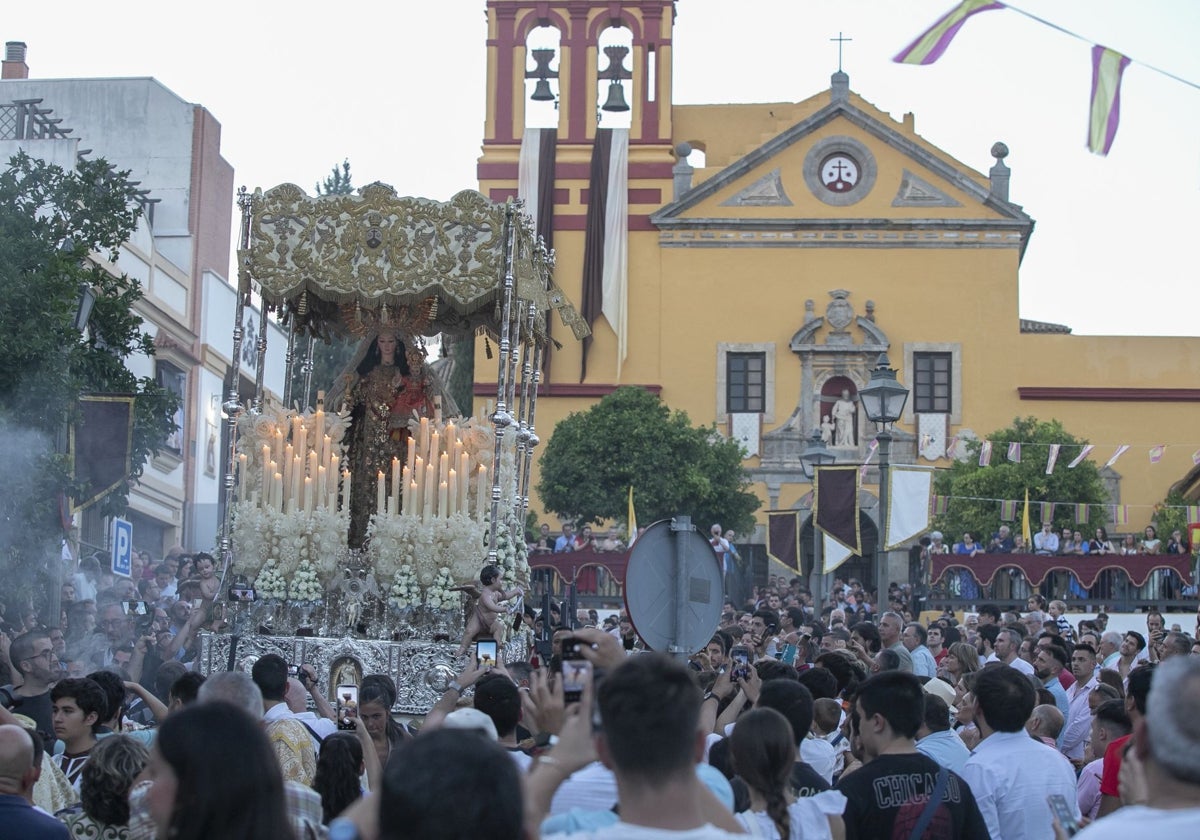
point(352, 263)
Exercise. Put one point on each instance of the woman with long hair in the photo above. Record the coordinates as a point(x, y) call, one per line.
point(113, 765)
point(963, 658)
point(339, 774)
point(764, 751)
point(376, 696)
point(215, 775)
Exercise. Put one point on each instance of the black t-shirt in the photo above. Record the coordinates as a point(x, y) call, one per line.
point(885, 798)
point(807, 781)
point(39, 709)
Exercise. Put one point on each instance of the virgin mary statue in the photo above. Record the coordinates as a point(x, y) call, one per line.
point(386, 386)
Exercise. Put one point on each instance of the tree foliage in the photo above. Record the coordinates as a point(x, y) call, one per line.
point(631, 439)
point(61, 230)
point(337, 182)
point(1171, 515)
point(973, 487)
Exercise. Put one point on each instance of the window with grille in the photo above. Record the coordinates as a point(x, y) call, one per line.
point(931, 383)
point(746, 382)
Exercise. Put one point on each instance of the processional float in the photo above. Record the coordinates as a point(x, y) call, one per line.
point(296, 581)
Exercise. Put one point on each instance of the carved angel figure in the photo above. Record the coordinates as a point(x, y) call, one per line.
point(487, 607)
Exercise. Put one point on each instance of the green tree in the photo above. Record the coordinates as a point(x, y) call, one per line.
point(337, 182)
point(973, 487)
point(329, 358)
point(1171, 515)
point(61, 230)
point(631, 439)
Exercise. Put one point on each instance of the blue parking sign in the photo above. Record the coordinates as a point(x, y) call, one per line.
point(122, 547)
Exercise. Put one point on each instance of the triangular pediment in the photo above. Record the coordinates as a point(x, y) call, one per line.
point(843, 167)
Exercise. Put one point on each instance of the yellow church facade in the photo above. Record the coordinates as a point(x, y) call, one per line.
point(763, 284)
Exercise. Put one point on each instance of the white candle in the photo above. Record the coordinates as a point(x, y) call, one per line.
point(443, 467)
point(405, 499)
point(434, 447)
point(452, 494)
point(442, 499)
point(319, 428)
point(379, 508)
point(308, 495)
point(287, 468)
point(301, 442)
point(297, 477)
point(327, 455)
point(481, 494)
point(411, 488)
point(241, 477)
point(427, 511)
point(312, 465)
point(264, 476)
point(322, 487)
point(277, 492)
point(278, 445)
point(464, 478)
point(346, 485)
point(334, 465)
point(423, 441)
point(412, 452)
point(395, 489)
point(419, 478)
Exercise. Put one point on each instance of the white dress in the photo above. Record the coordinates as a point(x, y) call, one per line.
point(809, 816)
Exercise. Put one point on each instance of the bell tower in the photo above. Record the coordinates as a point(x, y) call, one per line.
point(579, 127)
point(583, 69)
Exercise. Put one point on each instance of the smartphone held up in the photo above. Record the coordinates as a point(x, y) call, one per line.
point(347, 706)
point(576, 671)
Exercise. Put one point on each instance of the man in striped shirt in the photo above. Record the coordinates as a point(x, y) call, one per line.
point(79, 706)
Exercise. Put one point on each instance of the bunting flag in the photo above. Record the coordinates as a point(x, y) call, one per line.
point(1196, 458)
point(1052, 458)
point(1120, 514)
point(1008, 510)
point(1193, 513)
point(985, 453)
point(101, 443)
point(783, 538)
point(907, 516)
point(632, 519)
point(1107, 68)
point(835, 505)
point(1079, 458)
point(930, 44)
point(1014, 452)
point(834, 552)
point(1047, 511)
point(941, 505)
point(951, 447)
point(862, 472)
point(1121, 450)
point(1081, 514)
point(1025, 532)
point(1156, 453)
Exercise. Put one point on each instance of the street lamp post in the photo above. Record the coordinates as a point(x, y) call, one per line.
point(883, 402)
point(814, 456)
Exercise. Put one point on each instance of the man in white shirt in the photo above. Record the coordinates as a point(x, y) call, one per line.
point(1045, 541)
point(914, 637)
point(1009, 773)
point(1079, 721)
point(1008, 645)
point(1167, 744)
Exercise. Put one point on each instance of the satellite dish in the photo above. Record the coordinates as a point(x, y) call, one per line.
point(674, 587)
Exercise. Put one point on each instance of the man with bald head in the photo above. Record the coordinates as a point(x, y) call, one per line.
point(17, 816)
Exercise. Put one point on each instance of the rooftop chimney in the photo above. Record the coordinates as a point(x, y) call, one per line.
point(14, 66)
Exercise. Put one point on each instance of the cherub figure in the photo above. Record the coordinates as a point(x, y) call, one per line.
point(485, 613)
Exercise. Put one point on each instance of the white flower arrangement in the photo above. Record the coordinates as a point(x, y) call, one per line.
point(439, 596)
point(454, 543)
point(405, 591)
point(270, 582)
point(306, 586)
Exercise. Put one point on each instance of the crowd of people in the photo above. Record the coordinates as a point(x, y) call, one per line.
point(799, 719)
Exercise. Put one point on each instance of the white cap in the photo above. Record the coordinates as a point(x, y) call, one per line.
point(942, 689)
point(471, 719)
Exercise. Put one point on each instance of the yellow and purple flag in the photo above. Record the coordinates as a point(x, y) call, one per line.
point(1052, 458)
point(985, 453)
point(1025, 532)
point(1014, 452)
point(1107, 68)
point(1078, 458)
point(1157, 452)
point(930, 44)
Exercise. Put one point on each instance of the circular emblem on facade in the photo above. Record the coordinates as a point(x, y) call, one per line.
point(839, 170)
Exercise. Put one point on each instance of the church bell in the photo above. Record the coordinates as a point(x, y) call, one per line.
point(542, 92)
point(616, 98)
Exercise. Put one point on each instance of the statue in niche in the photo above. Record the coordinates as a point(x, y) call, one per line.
point(826, 431)
point(844, 412)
